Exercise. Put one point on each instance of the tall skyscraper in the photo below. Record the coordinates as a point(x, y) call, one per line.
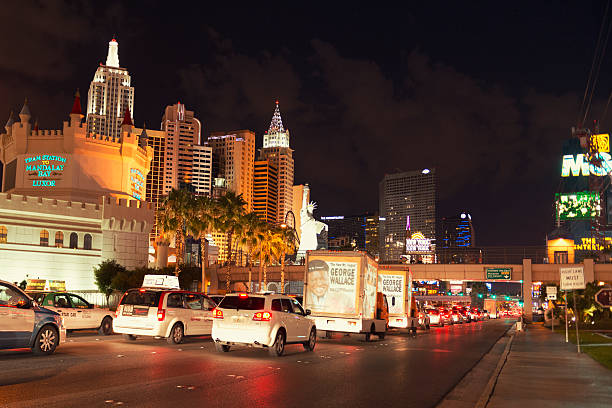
point(372, 226)
point(277, 152)
point(458, 231)
point(352, 227)
point(407, 205)
point(182, 134)
point(265, 190)
point(233, 162)
point(173, 165)
point(202, 170)
point(110, 95)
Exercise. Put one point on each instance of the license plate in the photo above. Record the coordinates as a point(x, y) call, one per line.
point(140, 311)
point(127, 310)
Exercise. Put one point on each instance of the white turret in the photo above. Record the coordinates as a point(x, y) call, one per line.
point(112, 59)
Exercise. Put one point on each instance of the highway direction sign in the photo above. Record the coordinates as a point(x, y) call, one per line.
point(604, 297)
point(572, 278)
point(499, 273)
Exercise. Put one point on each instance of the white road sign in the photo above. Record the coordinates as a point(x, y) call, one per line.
point(551, 292)
point(572, 278)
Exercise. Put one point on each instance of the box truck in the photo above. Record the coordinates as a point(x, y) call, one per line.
point(396, 285)
point(340, 291)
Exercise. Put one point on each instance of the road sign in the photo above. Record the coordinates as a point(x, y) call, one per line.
point(572, 278)
point(604, 297)
point(551, 292)
point(499, 273)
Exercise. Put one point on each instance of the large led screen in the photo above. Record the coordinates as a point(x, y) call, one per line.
point(578, 206)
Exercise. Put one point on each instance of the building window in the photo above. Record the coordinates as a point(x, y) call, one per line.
point(59, 239)
point(3, 234)
point(44, 238)
point(74, 240)
point(87, 242)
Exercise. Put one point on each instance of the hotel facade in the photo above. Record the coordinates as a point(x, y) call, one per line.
point(71, 199)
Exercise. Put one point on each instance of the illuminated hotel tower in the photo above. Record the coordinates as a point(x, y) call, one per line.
point(233, 162)
point(277, 152)
point(182, 134)
point(110, 94)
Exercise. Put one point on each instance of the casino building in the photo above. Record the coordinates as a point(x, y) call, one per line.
point(71, 199)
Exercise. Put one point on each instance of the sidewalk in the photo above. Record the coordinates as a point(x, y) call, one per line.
point(543, 371)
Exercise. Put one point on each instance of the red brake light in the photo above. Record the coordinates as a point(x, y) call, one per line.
point(161, 314)
point(141, 290)
point(243, 295)
point(217, 314)
point(262, 316)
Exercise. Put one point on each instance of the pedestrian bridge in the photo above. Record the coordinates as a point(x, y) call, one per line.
point(525, 273)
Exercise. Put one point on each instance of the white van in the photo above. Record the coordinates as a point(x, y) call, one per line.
point(172, 314)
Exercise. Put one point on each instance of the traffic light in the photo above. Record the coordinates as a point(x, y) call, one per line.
point(493, 296)
point(480, 295)
point(507, 298)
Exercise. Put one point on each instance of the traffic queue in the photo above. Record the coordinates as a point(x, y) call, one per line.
point(344, 293)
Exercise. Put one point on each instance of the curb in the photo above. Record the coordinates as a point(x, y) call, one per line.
point(483, 401)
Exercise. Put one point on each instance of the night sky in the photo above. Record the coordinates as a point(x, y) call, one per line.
point(484, 93)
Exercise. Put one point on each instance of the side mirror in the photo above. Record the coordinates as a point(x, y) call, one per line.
point(308, 312)
point(24, 304)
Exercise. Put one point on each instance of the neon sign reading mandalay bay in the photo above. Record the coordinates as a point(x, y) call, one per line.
point(44, 170)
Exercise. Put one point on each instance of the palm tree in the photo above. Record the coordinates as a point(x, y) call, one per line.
point(268, 250)
point(229, 212)
point(287, 245)
point(172, 219)
point(252, 235)
point(200, 223)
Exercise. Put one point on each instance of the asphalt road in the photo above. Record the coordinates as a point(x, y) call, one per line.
point(96, 371)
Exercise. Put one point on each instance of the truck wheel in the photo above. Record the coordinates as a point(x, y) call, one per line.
point(312, 340)
point(368, 336)
point(222, 348)
point(177, 334)
point(106, 327)
point(381, 335)
point(46, 341)
point(278, 347)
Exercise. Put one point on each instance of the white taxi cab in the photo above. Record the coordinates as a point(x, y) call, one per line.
point(160, 312)
point(77, 313)
point(262, 320)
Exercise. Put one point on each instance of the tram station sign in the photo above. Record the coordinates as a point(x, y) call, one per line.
point(499, 273)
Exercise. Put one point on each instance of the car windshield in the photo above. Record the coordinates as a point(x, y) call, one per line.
point(138, 298)
point(244, 303)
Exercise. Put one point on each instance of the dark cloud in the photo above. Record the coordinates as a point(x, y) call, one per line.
point(360, 103)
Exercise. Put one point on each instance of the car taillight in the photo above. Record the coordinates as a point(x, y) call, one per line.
point(161, 314)
point(217, 314)
point(262, 316)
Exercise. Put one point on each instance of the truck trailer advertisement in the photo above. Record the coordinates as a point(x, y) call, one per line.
point(393, 287)
point(332, 285)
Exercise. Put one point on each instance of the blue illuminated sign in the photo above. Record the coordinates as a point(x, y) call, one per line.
point(44, 170)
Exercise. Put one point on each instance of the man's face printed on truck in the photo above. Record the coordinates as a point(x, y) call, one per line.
point(318, 277)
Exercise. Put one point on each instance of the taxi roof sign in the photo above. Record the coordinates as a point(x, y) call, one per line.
point(45, 285)
point(161, 281)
